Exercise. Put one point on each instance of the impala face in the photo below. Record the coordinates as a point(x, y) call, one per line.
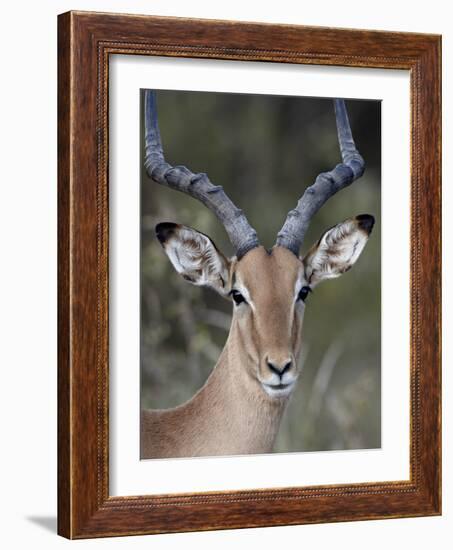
point(269, 291)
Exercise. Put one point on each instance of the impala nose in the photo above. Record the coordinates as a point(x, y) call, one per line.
point(279, 370)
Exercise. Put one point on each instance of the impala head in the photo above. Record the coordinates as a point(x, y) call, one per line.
point(268, 288)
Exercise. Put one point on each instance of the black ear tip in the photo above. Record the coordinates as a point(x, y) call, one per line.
point(365, 222)
point(165, 230)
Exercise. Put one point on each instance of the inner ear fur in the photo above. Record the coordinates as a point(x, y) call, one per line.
point(338, 249)
point(195, 256)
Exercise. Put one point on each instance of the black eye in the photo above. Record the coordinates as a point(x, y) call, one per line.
point(237, 297)
point(303, 293)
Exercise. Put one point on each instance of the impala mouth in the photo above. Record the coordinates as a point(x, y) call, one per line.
point(278, 390)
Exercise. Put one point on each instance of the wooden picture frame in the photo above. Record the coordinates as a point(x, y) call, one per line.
point(85, 41)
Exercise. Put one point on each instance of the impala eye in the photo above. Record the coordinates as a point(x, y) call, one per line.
point(303, 293)
point(237, 297)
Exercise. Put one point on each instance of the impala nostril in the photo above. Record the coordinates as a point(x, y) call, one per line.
point(286, 368)
point(273, 368)
point(280, 371)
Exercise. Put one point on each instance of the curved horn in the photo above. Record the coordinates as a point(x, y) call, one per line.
point(326, 184)
point(242, 236)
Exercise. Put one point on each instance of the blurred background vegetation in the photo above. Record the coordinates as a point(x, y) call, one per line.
point(265, 150)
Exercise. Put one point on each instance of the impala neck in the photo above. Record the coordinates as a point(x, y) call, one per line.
point(234, 404)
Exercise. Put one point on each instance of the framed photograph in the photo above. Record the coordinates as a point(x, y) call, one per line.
point(249, 275)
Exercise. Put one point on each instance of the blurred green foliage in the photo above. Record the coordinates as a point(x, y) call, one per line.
point(265, 150)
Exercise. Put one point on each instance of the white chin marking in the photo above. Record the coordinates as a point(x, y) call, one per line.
point(278, 391)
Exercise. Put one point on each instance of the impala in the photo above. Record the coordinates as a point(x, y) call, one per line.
point(239, 408)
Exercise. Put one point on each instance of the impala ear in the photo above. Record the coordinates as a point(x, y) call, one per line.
point(194, 256)
point(338, 249)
